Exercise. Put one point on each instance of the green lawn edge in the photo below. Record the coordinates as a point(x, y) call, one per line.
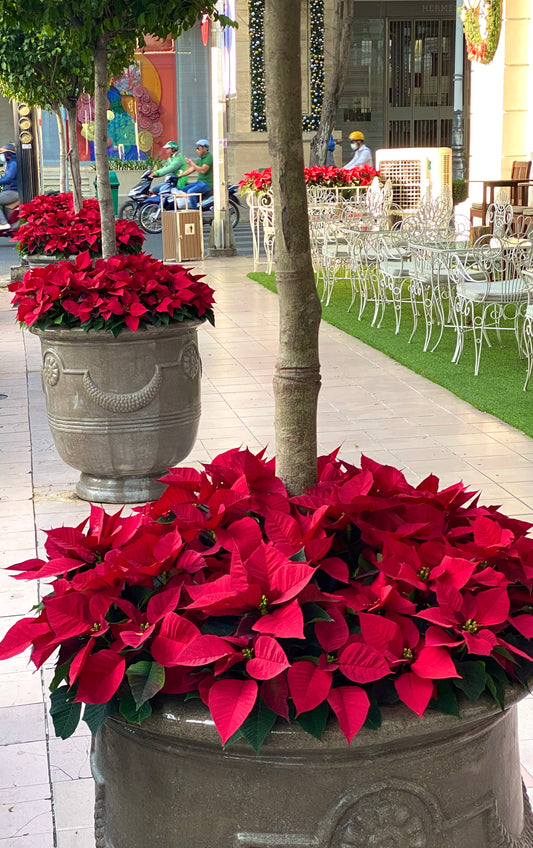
point(497, 390)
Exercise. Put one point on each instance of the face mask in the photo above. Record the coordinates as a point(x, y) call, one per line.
point(353, 146)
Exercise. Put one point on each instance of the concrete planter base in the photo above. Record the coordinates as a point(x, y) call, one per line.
point(122, 410)
point(439, 782)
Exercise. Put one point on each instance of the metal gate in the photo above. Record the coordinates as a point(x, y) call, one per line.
point(419, 108)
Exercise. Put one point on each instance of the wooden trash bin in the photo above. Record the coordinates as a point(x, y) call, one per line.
point(183, 237)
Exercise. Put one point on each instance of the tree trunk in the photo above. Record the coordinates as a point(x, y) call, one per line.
point(297, 374)
point(62, 148)
point(74, 156)
point(107, 215)
point(344, 19)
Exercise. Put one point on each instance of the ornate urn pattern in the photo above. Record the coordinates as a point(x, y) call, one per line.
point(122, 410)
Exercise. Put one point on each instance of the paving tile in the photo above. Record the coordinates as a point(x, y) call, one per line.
point(24, 764)
point(74, 804)
point(19, 687)
point(40, 840)
point(22, 723)
point(69, 758)
point(24, 812)
point(82, 837)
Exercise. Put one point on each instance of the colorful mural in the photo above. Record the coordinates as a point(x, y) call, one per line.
point(142, 108)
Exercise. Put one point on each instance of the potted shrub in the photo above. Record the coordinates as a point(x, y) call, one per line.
point(230, 614)
point(121, 369)
point(317, 175)
point(51, 230)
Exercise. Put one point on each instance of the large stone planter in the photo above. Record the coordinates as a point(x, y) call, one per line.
point(438, 782)
point(122, 410)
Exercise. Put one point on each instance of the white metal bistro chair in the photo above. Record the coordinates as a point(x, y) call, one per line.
point(490, 295)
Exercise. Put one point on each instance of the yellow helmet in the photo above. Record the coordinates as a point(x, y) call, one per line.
point(357, 136)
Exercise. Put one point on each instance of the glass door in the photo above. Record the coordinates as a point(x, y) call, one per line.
point(419, 111)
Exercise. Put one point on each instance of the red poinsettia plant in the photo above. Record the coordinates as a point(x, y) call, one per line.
point(329, 177)
point(50, 227)
point(362, 592)
point(130, 291)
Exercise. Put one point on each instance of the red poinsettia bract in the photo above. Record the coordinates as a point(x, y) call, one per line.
point(317, 175)
point(363, 591)
point(110, 294)
point(50, 227)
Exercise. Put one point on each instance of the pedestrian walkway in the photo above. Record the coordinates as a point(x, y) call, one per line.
point(368, 403)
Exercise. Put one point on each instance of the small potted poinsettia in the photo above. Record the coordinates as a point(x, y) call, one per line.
point(364, 603)
point(51, 230)
point(121, 369)
point(327, 176)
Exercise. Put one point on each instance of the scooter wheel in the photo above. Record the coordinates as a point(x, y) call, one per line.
point(234, 213)
point(150, 218)
point(128, 211)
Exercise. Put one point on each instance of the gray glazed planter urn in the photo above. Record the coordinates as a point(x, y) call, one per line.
point(122, 410)
point(436, 782)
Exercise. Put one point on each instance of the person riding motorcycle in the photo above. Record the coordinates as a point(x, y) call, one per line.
point(175, 165)
point(9, 182)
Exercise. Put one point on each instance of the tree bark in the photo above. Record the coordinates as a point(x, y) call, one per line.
point(62, 148)
point(74, 156)
point(101, 80)
point(344, 20)
point(297, 373)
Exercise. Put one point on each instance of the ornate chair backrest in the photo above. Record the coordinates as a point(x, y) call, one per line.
point(500, 215)
point(378, 201)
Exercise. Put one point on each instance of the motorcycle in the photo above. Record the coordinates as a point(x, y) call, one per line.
point(150, 209)
point(139, 193)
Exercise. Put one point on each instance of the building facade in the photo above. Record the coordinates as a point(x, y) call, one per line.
point(408, 84)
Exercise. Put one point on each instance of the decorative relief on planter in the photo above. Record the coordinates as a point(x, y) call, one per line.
point(190, 361)
point(404, 816)
point(400, 817)
point(128, 402)
point(499, 836)
point(99, 803)
point(51, 369)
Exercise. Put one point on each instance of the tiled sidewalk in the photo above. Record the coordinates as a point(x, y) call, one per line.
point(368, 403)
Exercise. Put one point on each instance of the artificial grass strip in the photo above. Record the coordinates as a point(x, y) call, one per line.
point(498, 389)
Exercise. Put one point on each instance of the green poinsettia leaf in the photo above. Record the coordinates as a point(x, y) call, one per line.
point(146, 679)
point(299, 556)
point(473, 678)
point(446, 700)
point(94, 715)
point(219, 626)
point(128, 709)
point(60, 675)
point(373, 718)
point(256, 727)
point(314, 722)
point(191, 696)
point(314, 612)
point(65, 713)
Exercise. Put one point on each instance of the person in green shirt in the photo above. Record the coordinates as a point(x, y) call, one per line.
point(175, 165)
point(203, 167)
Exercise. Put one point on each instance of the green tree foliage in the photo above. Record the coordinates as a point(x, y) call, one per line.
point(43, 70)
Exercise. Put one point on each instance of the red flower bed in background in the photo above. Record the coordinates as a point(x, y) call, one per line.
point(51, 228)
point(329, 177)
point(110, 294)
point(364, 591)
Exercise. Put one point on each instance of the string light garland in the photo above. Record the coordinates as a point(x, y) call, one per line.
point(256, 10)
point(482, 23)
